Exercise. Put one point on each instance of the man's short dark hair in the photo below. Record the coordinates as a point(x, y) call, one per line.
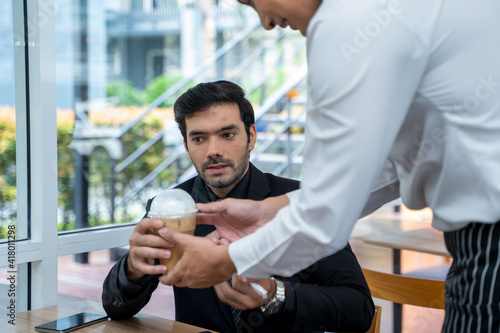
point(205, 95)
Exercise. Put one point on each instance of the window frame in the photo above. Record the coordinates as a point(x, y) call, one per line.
point(40, 246)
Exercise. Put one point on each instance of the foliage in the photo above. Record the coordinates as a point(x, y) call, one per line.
point(269, 87)
point(65, 172)
point(8, 191)
point(158, 86)
point(122, 93)
point(99, 175)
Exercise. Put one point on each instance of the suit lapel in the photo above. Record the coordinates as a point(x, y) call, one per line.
point(199, 192)
point(258, 188)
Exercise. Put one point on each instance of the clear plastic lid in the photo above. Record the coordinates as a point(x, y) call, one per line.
point(172, 203)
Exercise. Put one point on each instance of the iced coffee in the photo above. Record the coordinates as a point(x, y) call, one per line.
point(177, 209)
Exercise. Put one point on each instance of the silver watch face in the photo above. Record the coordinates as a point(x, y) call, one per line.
point(276, 303)
point(272, 308)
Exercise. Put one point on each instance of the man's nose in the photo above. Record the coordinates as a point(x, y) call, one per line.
point(214, 148)
point(267, 22)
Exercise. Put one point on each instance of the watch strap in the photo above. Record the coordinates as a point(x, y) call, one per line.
point(276, 303)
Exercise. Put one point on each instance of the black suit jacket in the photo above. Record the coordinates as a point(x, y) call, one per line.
point(329, 295)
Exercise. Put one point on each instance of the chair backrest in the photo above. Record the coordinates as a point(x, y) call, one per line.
point(375, 327)
point(405, 289)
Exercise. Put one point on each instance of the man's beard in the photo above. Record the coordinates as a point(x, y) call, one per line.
point(224, 182)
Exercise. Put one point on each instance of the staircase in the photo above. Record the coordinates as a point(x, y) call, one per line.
point(272, 72)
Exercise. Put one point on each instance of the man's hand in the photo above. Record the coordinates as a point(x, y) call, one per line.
point(145, 246)
point(203, 264)
point(236, 218)
point(242, 296)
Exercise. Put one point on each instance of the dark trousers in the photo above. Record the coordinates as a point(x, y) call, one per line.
point(473, 282)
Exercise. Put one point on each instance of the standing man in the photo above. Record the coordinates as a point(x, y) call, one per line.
point(217, 124)
point(403, 100)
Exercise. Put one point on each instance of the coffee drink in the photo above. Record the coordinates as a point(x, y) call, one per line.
point(177, 209)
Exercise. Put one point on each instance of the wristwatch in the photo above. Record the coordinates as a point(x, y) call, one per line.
point(275, 304)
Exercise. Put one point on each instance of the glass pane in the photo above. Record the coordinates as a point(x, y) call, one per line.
point(118, 144)
point(120, 66)
point(77, 280)
point(8, 190)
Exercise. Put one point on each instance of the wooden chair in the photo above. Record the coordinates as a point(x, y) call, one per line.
point(405, 290)
point(375, 327)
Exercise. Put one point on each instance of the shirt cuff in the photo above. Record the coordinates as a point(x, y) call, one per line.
point(293, 194)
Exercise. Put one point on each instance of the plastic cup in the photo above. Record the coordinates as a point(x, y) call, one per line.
point(177, 209)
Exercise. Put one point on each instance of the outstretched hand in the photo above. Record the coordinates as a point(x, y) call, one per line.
point(203, 264)
point(237, 218)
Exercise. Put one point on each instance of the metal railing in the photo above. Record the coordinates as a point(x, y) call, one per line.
point(276, 102)
point(166, 15)
point(176, 88)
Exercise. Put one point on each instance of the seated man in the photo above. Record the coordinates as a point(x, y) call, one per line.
point(217, 124)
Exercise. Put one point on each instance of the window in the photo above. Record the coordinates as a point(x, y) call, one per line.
point(14, 171)
point(8, 117)
point(83, 143)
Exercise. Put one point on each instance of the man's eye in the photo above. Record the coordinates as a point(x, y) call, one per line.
point(197, 140)
point(228, 135)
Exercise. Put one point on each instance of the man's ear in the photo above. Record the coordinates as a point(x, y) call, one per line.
point(252, 134)
point(186, 147)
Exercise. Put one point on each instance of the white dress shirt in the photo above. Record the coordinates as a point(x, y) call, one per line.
point(403, 100)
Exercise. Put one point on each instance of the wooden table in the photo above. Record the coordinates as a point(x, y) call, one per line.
point(425, 240)
point(26, 321)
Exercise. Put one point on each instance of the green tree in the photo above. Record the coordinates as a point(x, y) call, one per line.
point(8, 190)
point(158, 86)
point(123, 94)
point(65, 174)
